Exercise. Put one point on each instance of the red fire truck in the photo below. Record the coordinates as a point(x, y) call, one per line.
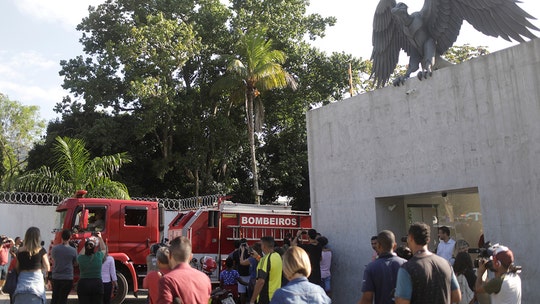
point(214, 229)
point(128, 227)
point(131, 227)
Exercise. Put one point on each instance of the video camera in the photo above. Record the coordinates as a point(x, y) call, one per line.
point(484, 256)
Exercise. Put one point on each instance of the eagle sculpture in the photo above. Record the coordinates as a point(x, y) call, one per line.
point(429, 33)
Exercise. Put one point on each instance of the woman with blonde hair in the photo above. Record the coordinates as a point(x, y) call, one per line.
point(296, 268)
point(31, 260)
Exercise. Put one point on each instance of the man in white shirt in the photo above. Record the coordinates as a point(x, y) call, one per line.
point(445, 249)
point(506, 286)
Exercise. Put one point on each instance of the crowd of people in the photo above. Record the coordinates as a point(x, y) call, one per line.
point(31, 266)
point(417, 275)
point(298, 271)
point(264, 272)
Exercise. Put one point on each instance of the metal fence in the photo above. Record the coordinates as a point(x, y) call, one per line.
point(48, 199)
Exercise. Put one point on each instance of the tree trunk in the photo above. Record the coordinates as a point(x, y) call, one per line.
point(251, 135)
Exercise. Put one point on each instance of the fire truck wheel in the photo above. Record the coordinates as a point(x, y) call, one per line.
point(122, 291)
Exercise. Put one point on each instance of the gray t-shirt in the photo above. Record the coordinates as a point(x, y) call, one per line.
point(63, 258)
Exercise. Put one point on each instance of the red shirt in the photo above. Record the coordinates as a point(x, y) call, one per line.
point(190, 285)
point(151, 282)
point(4, 254)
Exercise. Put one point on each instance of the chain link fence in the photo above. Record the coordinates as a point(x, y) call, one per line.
point(48, 199)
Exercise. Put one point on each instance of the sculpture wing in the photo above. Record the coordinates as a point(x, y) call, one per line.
point(497, 18)
point(388, 39)
point(443, 21)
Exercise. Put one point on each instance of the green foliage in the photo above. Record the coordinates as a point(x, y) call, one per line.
point(20, 128)
point(460, 53)
point(144, 86)
point(74, 170)
point(255, 69)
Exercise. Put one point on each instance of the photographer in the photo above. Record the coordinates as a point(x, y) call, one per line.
point(506, 286)
point(243, 269)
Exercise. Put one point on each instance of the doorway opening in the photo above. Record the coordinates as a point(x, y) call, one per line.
point(457, 209)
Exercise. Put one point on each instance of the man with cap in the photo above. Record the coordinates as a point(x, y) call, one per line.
point(506, 286)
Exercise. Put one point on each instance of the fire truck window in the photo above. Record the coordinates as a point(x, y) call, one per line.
point(213, 218)
point(96, 219)
point(135, 216)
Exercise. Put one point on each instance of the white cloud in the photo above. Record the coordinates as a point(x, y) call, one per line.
point(68, 13)
point(43, 97)
point(16, 66)
point(32, 79)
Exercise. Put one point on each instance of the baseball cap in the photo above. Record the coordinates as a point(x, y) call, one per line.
point(504, 255)
point(92, 241)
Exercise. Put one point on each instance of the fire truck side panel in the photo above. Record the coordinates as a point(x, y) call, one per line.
point(204, 238)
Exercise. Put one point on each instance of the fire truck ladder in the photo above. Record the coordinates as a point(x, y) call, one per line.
point(254, 233)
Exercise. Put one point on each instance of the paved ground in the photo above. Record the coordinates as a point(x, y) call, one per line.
point(4, 299)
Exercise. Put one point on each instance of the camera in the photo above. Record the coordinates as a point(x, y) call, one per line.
point(404, 239)
point(304, 232)
point(484, 257)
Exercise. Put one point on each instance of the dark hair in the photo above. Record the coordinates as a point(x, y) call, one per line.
point(404, 252)
point(373, 238)
point(445, 230)
point(66, 234)
point(180, 249)
point(229, 262)
point(89, 247)
point(323, 241)
point(386, 240)
point(257, 248)
point(420, 233)
point(268, 241)
point(463, 262)
point(312, 233)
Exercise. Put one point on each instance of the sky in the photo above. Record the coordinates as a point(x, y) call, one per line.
point(36, 34)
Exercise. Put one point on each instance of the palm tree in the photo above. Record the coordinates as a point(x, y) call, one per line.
point(256, 68)
point(74, 170)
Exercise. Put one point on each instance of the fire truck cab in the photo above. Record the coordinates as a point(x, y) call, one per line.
point(128, 228)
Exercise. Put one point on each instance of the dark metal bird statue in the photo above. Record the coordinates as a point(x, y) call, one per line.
point(429, 33)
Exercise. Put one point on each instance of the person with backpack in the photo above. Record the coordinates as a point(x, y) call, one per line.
point(268, 273)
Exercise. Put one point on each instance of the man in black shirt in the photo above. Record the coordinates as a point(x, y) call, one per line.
point(314, 251)
point(243, 270)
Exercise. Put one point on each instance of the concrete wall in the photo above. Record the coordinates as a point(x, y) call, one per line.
point(475, 124)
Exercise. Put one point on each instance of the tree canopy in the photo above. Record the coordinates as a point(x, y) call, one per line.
point(74, 170)
point(145, 84)
point(20, 128)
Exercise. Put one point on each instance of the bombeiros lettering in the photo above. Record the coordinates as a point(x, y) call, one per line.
point(268, 221)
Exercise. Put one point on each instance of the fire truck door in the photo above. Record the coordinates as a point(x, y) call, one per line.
point(136, 232)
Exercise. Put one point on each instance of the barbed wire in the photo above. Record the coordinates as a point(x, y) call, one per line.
point(190, 203)
point(30, 198)
point(49, 199)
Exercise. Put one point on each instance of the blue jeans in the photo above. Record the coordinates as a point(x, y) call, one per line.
point(27, 298)
point(325, 284)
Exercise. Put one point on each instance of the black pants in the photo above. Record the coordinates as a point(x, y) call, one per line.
point(90, 291)
point(60, 291)
point(107, 292)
